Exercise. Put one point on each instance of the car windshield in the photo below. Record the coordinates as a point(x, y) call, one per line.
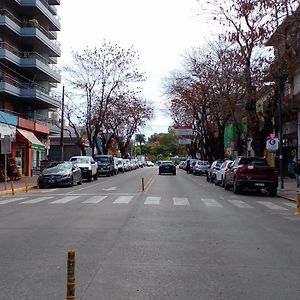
point(80, 160)
point(60, 166)
point(165, 163)
point(102, 159)
point(250, 161)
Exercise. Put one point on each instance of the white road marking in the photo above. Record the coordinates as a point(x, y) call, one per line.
point(123, 200)
point(152, 200)
point(240, 204)
point(48, 191)
point(271, 205)
point(211, 202)
point(95, 199)
point(290, 204)
point(11, 200)
point(36, 200)
point(65, 200)
point(113, 188)
point(181, 201)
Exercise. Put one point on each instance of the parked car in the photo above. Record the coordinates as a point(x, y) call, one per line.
point(211, 171)
point(120, 165)
point(87, 166)
point(220, 174)
point(116, 169)
point(127, 164)
point(105, 165)
point(149, 163)
point(200, 167)
point(167, 166)
point(60, 174)
point(251, 172)
point(182, 165)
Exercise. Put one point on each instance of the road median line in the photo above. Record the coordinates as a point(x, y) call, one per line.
point(149, 182)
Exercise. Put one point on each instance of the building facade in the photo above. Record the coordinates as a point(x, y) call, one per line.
point(28, 54)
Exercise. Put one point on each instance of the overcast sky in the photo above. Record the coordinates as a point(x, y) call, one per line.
point(160, 30)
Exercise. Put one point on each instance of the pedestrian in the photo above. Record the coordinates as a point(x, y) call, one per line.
point(297, 172)
point(188, 166)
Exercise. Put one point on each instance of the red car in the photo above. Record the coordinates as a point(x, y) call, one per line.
point(253, 173)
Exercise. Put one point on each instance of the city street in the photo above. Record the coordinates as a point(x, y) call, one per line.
point(175, 237)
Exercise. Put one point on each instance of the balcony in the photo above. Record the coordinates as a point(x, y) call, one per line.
point(34, 63)
point(54, 2)
point(30, 33)
point(44, 12)
point(32, 93)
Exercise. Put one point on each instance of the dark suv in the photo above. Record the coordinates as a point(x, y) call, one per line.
point(106, 165)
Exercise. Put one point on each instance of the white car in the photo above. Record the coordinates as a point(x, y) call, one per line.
point(220, 173)
point(149, 163)
point(87, 166)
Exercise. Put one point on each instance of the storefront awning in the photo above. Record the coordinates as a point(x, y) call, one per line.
point(36, 144)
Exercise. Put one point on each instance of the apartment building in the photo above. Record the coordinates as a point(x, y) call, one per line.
point(28, 74)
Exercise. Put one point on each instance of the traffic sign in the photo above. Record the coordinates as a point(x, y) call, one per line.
point(272, 145)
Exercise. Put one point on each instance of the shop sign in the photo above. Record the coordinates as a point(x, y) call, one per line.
point(6, 129)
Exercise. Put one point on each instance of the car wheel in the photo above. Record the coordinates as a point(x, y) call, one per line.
point(222, 182)
point(90, 177)
point(80, 181)
point(72, 181)
point(207, 178)
point(108, 174)
point(174, 173)
point(236, 188)
point(96, 176)
point(272, 192)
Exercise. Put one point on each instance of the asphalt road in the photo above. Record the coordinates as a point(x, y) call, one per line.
point(180, 238)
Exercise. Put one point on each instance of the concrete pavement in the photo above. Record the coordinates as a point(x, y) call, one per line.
point(289, 190)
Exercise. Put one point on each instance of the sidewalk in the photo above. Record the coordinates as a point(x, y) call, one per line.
point(289, 191)
point(12, 187)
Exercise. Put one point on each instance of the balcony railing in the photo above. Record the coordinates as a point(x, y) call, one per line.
point(27, 54)
point(7, 78)
point(30, 23)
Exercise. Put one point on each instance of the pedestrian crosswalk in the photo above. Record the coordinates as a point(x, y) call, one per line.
point(117, 199)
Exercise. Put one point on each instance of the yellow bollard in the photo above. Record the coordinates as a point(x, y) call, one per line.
point(12, 188)
point(71, 276)
point(298, 205)
point(143, 185)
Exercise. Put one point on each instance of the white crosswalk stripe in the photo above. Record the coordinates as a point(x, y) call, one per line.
point(152, 200)
point(211, 202)
point(181, 201)
point(290, 204)
point(240, 204)
point(36, 200)
point(123, 200)
point(271, 205)
point(95, 199)
point(65, 200)
point(11, 200)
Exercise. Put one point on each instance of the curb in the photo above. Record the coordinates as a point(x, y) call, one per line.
point(22, 189)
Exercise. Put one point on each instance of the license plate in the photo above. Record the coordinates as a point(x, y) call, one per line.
point(259, 184)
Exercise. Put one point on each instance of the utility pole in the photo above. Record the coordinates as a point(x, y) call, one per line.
point(280, 129)
point(62, 125)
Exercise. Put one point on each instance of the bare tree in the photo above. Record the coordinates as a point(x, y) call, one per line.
point(103, 75)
